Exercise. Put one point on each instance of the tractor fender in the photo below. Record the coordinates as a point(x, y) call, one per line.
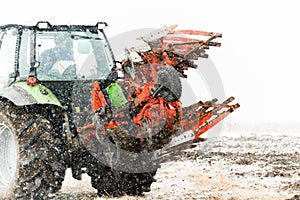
point(21, 94)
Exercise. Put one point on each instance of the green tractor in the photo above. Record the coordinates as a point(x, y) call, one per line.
point(38, 136)
point(65, 102)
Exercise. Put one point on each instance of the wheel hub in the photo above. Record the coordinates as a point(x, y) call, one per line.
point(8, 155)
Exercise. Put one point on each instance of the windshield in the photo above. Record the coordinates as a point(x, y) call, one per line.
point(72, 55)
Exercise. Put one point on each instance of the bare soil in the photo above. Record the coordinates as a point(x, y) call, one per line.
point(244, 167)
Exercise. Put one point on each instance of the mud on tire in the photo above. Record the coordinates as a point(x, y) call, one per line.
point(169, 78)
point(33, 166)
point(109, 182)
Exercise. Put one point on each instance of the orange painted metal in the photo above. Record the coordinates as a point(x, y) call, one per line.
point(175, 48)
point(97, 96)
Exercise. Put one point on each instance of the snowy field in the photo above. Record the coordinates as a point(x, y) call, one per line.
point(249, 166)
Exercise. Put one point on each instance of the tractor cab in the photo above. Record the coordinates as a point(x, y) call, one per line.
point(54, 53)
point(64, 59)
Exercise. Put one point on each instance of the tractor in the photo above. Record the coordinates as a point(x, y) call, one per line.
point(66, 102)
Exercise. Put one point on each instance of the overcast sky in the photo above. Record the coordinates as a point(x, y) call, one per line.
point(259, 58)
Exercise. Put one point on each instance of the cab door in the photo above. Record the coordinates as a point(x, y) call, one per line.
point(8, 47)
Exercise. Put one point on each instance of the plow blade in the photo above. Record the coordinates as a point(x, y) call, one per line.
point(184, 43)
point(200, 117)
point(197, 119)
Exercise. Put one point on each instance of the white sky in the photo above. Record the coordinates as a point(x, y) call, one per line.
point(259, 58)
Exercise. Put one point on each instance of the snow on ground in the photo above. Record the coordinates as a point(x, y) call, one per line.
point(251, 166)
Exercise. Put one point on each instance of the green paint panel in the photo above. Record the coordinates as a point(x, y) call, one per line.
point(40, 93)
point(116, 95)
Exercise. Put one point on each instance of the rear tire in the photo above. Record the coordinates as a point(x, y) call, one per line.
point(169, 78)
point(109, 182)
point(32, 151)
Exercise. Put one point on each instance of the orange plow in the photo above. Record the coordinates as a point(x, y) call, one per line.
point(151, 114)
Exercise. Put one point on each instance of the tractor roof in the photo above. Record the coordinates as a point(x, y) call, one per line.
point(46, 26)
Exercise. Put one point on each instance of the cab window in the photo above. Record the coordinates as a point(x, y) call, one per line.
point(8, 43)
point(24, 55)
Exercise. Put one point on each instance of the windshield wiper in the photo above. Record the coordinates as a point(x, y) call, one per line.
point(76, 37)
